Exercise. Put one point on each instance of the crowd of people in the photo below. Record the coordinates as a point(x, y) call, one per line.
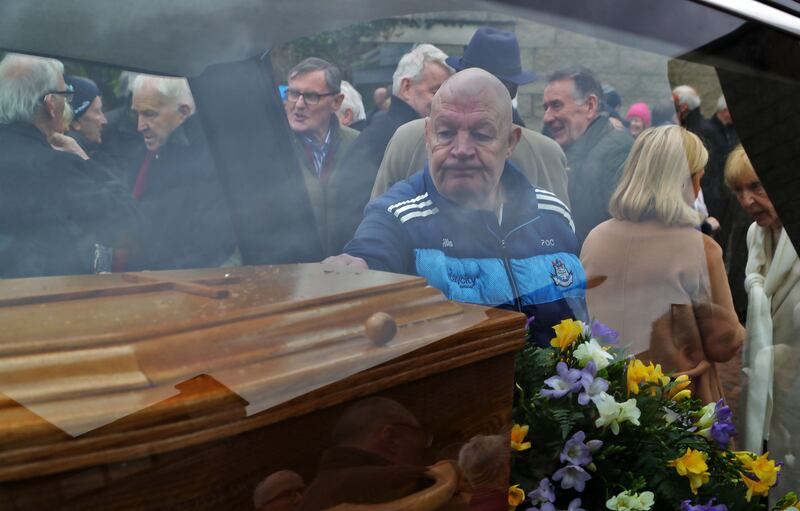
point(641, 220)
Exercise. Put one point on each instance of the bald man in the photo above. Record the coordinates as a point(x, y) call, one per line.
point(379, 454)
point(470, 222)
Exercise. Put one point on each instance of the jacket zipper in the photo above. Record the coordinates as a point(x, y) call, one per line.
point(510, 273)
point(507, 262)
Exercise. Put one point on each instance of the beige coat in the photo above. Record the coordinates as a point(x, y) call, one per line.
point(323, 196)
point(667, 294)
point(538, 157)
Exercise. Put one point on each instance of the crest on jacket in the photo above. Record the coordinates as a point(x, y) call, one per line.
point(562, 276)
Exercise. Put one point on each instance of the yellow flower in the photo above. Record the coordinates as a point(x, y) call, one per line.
point(692, 465)
point(680, 396)
point(758, 488)
point(765, 469)
point(566, 333)
point(679, 384)
point(518, 434)
point(639, 373)
point(515, 496)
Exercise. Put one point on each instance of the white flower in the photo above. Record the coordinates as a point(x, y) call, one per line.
point(707, 419)
point(592, 352)
point(629, 501)
point(670, 416)
point(612, 414)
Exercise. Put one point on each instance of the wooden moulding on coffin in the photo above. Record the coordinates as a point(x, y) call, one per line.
point(242, 346)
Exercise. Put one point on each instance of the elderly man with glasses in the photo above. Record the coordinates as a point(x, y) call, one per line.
point(58, 209)
point(312, 100)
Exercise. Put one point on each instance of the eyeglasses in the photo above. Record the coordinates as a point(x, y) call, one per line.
point(311, 98)
point(68, 93)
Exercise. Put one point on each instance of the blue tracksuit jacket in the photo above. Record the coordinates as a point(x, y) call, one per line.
point(529, 263)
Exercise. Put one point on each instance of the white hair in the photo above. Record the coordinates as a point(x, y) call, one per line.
point(174, 90)
point(413, 63)
point(24, 80)
point(352, 100)
point(722, 104)
point(687, 96)
point(126, 81)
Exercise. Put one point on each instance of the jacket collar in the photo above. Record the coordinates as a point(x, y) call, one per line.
point(28, 130)
point(520, 205)
point(596, 130)
point(399, 109)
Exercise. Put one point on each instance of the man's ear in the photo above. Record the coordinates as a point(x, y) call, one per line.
point(185, 111)
point(593, 105)
point(337, 102)
point(49, 106)
point(514, 136)
point(405, 87)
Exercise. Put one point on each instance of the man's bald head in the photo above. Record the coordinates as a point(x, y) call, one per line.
point(469, 136)
point(476, 84)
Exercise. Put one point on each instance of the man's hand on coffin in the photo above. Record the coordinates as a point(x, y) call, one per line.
point(346, 260)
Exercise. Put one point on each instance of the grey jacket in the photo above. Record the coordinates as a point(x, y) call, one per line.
point(595, 165)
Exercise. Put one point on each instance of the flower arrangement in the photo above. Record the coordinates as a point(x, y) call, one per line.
point(614, 432)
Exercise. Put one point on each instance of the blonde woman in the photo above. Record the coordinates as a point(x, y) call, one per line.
point(665, 288)
point(773, 311)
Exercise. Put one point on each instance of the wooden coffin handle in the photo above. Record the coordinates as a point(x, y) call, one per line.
point(445, 477)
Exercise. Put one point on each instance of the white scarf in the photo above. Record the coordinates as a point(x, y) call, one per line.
point(766, 277)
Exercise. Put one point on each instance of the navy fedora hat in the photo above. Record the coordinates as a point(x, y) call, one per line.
point(495, 51)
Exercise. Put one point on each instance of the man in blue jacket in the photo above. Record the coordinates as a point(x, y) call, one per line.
point(471, 223)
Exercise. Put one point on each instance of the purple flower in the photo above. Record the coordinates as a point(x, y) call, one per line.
point(721, 433)
point(723, 429)
point(686, 505)
point(543, 493)
point(723, 412)
point(566, 382)
point(575, 505)
point(591, 386)
point(572, 476)
point(578, 453)
point(529, 322)
point(604, 333)
point(547, 506)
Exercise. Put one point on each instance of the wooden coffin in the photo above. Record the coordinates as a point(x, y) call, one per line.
point(182, 389)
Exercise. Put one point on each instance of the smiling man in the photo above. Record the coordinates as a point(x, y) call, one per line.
point(320, 142)
point(595, 150)
point(470, 222)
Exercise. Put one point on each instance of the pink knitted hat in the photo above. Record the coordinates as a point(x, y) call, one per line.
point(640, 110)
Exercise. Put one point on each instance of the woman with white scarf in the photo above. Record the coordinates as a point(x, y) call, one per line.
point(773, 343)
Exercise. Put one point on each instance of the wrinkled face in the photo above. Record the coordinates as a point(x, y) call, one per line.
point(157, 118)
point(419, 95)
point(753, 198)
point(468, 145)
point(93, 121)
point(566, 118)
point(308, 119)
point(635, 126)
